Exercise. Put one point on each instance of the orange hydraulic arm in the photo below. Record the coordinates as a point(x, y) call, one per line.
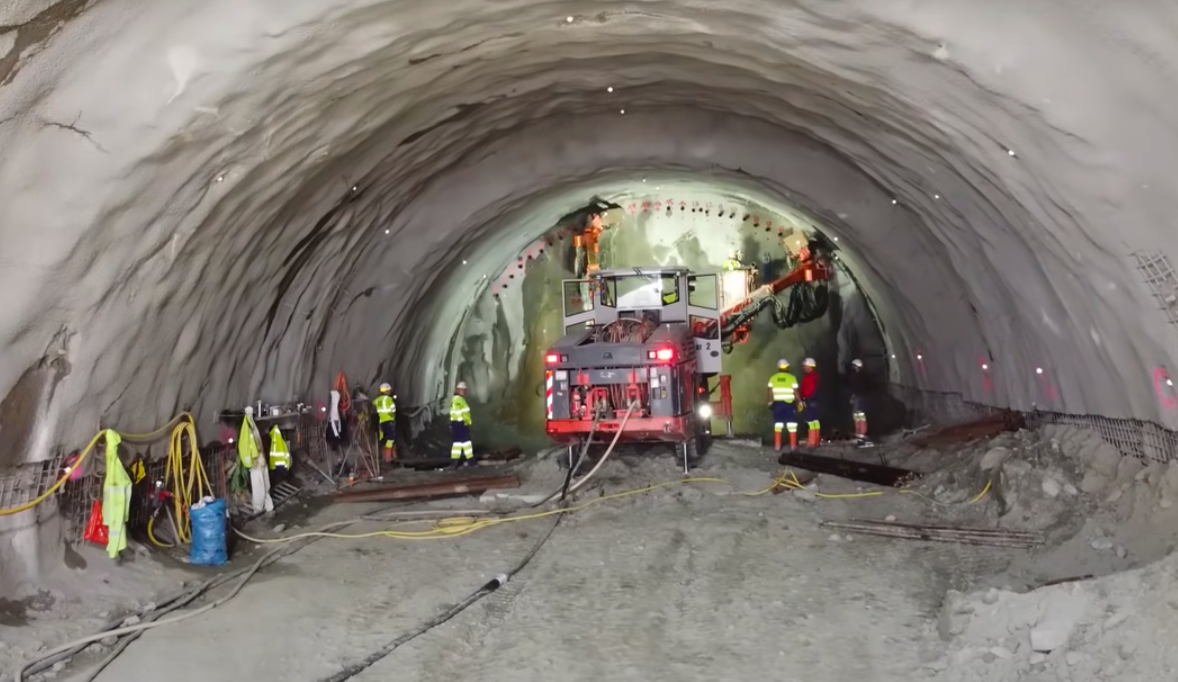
point(588, 240)
point(743, 312)
point(810, 270)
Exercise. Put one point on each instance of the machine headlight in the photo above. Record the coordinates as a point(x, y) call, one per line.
point(705, 411)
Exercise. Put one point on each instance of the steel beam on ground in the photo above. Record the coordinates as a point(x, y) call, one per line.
point(466, 486)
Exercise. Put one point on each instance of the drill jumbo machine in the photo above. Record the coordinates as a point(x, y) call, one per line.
point(638, 349)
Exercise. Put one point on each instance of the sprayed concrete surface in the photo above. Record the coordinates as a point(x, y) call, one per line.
point(201, 190)
point(698, 581)
point(218, 201)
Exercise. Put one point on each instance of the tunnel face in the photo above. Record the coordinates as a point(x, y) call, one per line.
point(498, 342)
point(206, 203)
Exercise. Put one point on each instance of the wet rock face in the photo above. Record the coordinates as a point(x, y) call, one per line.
point(238, 200)
point(25, 408)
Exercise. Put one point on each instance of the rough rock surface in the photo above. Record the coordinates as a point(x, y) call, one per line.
point(234, 197)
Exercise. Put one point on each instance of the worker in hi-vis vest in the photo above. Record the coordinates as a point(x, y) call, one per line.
point(386, 418)
point(783, 393)
point(249, 448)
point(280, 460)
point(808, 392)
point(461, 450)
point(733, 262)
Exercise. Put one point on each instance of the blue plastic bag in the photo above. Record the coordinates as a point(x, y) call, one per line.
point(208, 534)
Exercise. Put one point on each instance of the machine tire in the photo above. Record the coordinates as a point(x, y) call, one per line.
point(696, 449)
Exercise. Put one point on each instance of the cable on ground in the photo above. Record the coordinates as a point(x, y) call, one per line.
point(494, 584)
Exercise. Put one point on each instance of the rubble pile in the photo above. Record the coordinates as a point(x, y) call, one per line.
point(1111, 628)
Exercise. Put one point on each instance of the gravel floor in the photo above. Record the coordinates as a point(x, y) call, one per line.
point(689, 582)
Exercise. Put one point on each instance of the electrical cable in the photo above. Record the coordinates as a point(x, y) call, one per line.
point(245, 573)
point(444, 528)
point(495, 583)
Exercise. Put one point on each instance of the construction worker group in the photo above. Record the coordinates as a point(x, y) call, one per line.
point(792, 401)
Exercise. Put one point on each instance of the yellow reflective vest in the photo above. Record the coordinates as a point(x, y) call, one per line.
point(784, 387)
point(279, 451)
point(247, 447)
point(386, 408)
point(116, 497)
point(459, 410)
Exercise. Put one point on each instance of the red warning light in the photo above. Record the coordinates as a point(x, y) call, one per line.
point(665, 354)
point(552, 358)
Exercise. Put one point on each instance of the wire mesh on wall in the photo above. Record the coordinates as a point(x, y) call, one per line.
point(1160, 278)
point(1132, 437)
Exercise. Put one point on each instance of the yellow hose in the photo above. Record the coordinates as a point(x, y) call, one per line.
point(186, 490)
point(458, 526)
point(182, 425)
point(53, 488)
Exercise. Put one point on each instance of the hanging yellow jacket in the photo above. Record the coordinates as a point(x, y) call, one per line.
point(247, 447)
point(279, 450)
point(116, 497)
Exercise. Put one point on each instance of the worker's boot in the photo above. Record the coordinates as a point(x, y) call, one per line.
point(815, 437)
point(777, 441)
point(388, 455)
point(793, 441)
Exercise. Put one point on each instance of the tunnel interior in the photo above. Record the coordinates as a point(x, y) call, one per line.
point(197, 212)
point(498, 342)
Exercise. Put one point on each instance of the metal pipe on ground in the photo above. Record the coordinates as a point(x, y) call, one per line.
point(467, 486)
point(969, 536)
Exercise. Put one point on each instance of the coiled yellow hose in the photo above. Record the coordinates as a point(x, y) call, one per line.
point(188, 489)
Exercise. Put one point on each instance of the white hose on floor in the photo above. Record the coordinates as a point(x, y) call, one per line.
point(592, 472)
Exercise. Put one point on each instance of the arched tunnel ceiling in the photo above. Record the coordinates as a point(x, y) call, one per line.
point(166, 169)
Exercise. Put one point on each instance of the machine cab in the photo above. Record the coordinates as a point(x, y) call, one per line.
point(662, 296)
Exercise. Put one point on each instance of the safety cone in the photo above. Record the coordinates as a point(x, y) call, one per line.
point(96, 531)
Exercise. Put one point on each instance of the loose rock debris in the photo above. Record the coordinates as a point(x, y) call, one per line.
point(692, 553)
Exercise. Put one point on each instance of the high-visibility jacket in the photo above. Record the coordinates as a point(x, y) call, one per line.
point(784, 386)
point(279, 451)
point(386, 408)
point(732, 264)
point(459, 410)
point(247, 447)
point(116, 497)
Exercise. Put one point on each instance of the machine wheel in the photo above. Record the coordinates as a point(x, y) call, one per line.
point(694, 451)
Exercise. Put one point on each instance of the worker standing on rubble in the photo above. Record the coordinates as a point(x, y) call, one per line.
point(857, 381)
point(280, 460)
point(249, 447)
point(461, 450)
point(809, 396)
point(783, 388)
point(386, 415)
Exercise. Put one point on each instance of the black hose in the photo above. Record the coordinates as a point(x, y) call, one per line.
point(494, 584)
point(574, 467)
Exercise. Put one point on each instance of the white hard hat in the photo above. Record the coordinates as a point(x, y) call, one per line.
point(782, 363)
point(461, 386)
point(385, 388)
point(249, 411)
point(809, 362)
point(857, 363)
